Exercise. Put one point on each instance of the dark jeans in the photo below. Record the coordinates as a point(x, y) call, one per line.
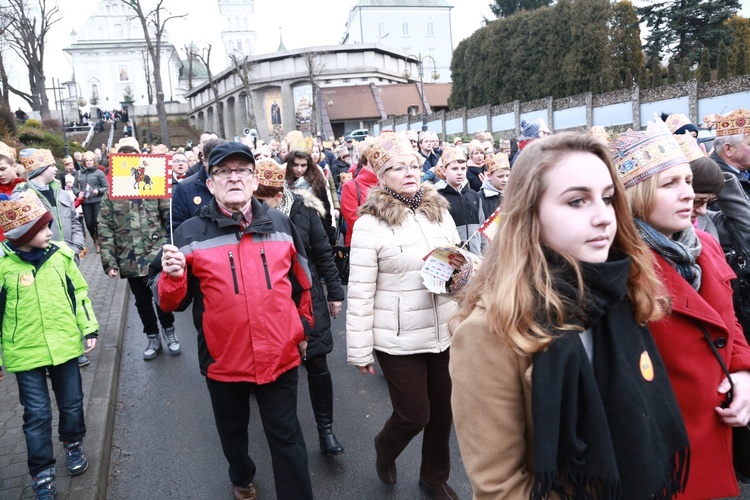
point(37, 410)
point(144, 302)
point(420, 390)
point(277, 404)
point(90, 213)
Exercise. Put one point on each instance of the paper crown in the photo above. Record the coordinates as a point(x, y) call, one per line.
point(689, 147)
point(33, 159)
point(599, 132)
point(345, 177)
point(488, 145)
point(496, 162)
point(270, 173)
point(21, 214)
point(452, 153)
point(363, 147)
point(640, 155)
point(386, 147)
point(8, 151)
point(735, 123)
point(676, 121)
point(296, 142)
point(129, 141)
point(440, 169)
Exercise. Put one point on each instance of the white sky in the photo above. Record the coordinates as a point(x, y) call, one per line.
point(303, 23)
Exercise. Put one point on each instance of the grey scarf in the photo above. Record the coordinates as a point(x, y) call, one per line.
point(681, 251)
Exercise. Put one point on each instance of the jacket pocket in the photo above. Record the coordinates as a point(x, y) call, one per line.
point(265, 267)
point(399, 318)
point(234, 274)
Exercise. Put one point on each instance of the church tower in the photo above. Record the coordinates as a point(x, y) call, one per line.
point(238, 33)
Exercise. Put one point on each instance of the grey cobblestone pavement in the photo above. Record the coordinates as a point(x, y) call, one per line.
point(109, 298)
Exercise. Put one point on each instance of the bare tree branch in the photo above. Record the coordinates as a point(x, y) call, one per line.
point(205, 57)
point(243, 67)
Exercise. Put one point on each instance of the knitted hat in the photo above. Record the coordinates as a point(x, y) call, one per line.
point(497, 162)
point(640, 155)
point(689, 147)
point(8, 151)
point(735, 123)
point(530, 130)
point(452, 153)
point(36, 161)
point(679, 124)
point(387, 146)
point(22, 216)
point(270, 173)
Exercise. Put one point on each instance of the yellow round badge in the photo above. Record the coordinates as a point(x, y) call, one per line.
point(27, 279)
point(197, 200)
point(647, 368)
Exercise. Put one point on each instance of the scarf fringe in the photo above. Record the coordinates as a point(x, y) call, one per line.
point(677, 477)
point(574, 486)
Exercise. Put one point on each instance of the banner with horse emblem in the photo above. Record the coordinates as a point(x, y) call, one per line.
point(140, 176)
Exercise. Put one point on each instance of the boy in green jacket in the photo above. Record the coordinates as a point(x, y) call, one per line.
point(44, 310)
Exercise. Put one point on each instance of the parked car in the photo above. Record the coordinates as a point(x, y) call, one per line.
point(358, 134)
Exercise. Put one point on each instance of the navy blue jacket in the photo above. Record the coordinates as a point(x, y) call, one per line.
point(188, 197)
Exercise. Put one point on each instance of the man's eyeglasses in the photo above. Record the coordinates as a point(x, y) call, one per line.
point(226, 173)
point(699, 202)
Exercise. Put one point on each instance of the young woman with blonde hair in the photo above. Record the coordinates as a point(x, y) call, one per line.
point(558, 388)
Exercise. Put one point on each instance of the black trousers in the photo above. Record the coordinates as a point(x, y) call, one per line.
point(144, 303)
point(90, 213)
point(277, 405)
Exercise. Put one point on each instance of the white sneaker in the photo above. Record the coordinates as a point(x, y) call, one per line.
point(153, 348)
point(172, 343)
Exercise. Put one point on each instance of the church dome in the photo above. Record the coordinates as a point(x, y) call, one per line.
point(198, 69)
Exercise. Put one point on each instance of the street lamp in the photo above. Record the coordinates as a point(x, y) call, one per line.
point(420, 67)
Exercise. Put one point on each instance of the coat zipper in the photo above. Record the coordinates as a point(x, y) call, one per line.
point(234, 274)
point(265, 267)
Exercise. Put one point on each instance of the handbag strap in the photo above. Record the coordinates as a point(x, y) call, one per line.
point(718, 357)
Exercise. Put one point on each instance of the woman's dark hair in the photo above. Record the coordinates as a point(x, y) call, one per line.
point(313, 174)
point(128, 150)
point(707, 176)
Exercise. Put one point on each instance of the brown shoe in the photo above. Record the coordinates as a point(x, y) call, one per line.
point(439, 491)
point(244, 492)
point(386, 470)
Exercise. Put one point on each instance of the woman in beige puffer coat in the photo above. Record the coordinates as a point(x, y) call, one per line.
point(391, 314)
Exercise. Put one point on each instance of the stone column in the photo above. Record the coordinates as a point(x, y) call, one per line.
point(517, 117)
point(635, 99)
point(589, 109)
point(693, 100)
point(550, 113)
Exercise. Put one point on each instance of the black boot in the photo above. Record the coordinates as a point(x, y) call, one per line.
point(321, 397)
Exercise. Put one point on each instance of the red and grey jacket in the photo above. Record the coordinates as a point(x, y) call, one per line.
point(251, 293)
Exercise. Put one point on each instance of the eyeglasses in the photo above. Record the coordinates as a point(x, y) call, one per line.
point(226, 173)
point(403, 168)
point(699, 202)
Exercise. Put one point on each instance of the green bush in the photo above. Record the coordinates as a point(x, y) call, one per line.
point(7, 124)
point(35, 138)
point(30, 136)
point(33, 123)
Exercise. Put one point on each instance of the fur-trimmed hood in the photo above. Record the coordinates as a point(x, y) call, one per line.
point(309, 200)
point(385, 207)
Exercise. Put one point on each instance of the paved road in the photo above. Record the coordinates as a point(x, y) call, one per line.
point(165, 443)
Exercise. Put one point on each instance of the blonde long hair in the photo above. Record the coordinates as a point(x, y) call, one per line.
point(515, 283)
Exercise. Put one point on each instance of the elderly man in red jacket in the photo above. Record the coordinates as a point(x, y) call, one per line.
point(245, 268)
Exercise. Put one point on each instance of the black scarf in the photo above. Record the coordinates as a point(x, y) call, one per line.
point(412, 202)
point(601, 430)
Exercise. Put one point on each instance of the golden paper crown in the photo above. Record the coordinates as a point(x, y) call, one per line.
point(496, 162)
point(734, 123)
point(440, 169)
point(452, 153)
point(33, 159)
point(129, 141)
point(488, 145)
point(21, 210)
point(270, 173)
point(676, 121)
point(362, 147)
point(296, 142)
point(8, 151)
point(689, 147)
point(345, 176)
point(640, 155)
point(386, 147)
point(599, 132)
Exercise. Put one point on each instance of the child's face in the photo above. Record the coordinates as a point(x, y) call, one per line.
point(455, 173)
point(499, 179)
point(69, 183)
point(41, 240)
point(7, 172)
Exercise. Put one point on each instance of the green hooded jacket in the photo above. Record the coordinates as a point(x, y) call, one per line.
point(45, 309)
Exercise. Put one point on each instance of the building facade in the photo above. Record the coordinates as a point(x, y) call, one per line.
point(238, 33)
point(110, 60)
point(417, 27)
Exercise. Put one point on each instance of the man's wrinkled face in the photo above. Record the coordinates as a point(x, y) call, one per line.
point(233, 182)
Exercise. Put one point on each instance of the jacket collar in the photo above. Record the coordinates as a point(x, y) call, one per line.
point(261, 223)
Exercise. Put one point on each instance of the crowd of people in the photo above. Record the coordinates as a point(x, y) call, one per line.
point(598, 352)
